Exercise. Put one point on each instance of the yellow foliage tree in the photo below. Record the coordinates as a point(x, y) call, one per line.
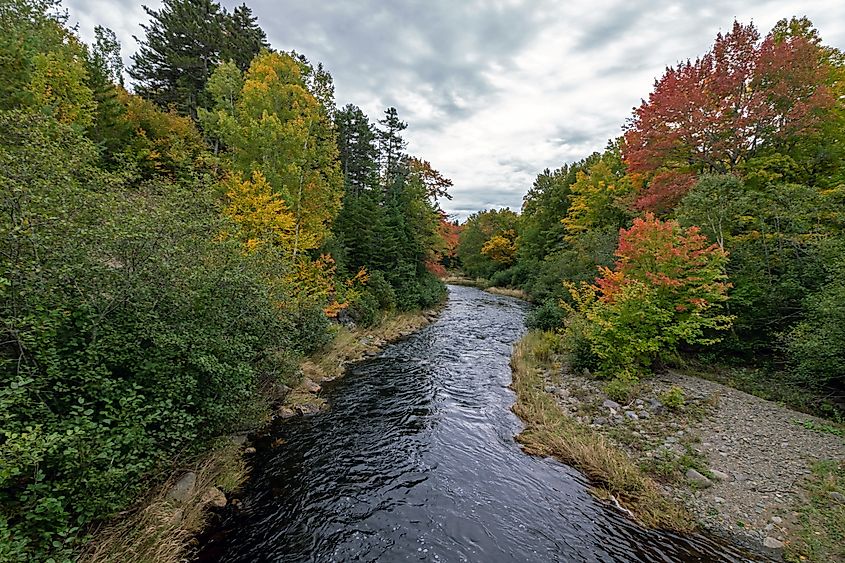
point(260, 214)
point(598, 197)
point(501, 248)
point(279, 128)
point(58, 85)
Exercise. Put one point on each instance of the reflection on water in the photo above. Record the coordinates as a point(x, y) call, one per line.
point(416, 461)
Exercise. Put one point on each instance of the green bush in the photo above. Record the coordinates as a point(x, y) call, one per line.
point(365, 309)
point(131, 336)
point(548, 316)
point(622, 390)
point(674, 397)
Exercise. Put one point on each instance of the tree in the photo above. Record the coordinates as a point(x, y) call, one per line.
point(599, 196)
point(741, 97)
point(666, 287)
point(391, 144)
point(184, 42)
point(278, 128)
point(356, 141)
point(244, 38)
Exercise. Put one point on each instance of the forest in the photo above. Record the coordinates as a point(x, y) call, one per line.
point(709, 233)
point(169, 252)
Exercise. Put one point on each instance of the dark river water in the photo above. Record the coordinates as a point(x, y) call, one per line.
point(416, 461)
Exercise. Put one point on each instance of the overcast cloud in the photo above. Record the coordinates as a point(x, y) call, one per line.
point(494, 91)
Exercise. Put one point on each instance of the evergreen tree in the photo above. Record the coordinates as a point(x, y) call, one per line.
point(356, 141)
point(243, 37)
point(185, 41)
point(391, 144)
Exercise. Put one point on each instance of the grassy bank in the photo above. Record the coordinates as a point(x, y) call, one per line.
point(550, 432)
point(161, 529)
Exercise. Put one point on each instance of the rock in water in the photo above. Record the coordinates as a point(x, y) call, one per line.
point(698, 479)
point(183, 487)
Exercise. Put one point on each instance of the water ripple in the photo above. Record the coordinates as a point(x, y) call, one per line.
point(416, 461)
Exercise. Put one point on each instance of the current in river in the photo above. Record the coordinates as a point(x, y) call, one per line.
point(416, 461)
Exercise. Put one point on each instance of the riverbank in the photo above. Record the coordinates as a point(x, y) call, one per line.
point(749, 470)
point(163, 526)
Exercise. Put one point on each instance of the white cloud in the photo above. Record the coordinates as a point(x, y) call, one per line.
point(495, 92)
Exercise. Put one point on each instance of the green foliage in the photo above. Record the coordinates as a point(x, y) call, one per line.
point(479, 229)
point(623, 390)
point(549, 316)
point(673, 397)
point(131, 335)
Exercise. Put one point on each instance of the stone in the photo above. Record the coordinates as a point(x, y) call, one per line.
point(837, 496)
point(238, 439)
point(772, 543)
point(644, 414)
point(720, 476)
point(718, 500)
point(307, 409)
point(550, 389)
point(311, 386)
point(671, 440)
point(250, 450)
point(563, 393)
point(777, 519)
point(631, 415)
point(587, 373)
point(213, 497)
point(639, 402)
point(183, 488)
point(608, 404)
point(286, 412)
point(599, 421)
point(698, 479)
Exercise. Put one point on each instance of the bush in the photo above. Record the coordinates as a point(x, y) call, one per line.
point(548, 316)
point(365, 309)
point(623, 390)
point(674, 397)
point(131, 335)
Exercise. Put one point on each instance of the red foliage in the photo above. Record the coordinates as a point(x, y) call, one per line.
point(668, 258)
point(712, 114)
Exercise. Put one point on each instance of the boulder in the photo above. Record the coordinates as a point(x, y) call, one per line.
point(183, 488)
point(286, 412)
point(698, 479)
point(310, 386)
point(720, 476)
point(214, 498)
point(772, 543)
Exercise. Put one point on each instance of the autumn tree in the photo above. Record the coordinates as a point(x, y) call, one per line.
point(278, 128)
point(711, 115)
point(666, 287)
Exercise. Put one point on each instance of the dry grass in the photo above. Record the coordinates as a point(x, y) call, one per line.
point(508, 292)
point(160, 530)
point(550, 432)
point(480, 283)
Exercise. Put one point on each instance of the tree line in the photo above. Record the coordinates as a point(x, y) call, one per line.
point(168, 253)
point(713, 225)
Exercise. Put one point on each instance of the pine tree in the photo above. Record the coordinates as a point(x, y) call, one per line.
point(185, 41)
point(356, 141)
point(391, 145)
point(244, 38)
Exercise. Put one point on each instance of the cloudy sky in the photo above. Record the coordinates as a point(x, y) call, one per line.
point(494, 91)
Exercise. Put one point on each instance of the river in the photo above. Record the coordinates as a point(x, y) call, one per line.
point(416, 461)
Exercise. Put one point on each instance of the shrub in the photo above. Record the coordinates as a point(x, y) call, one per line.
point(674, 397)
point(622, 389)
point(548, 316)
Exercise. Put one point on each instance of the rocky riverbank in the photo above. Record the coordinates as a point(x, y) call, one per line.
point(737, 462)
